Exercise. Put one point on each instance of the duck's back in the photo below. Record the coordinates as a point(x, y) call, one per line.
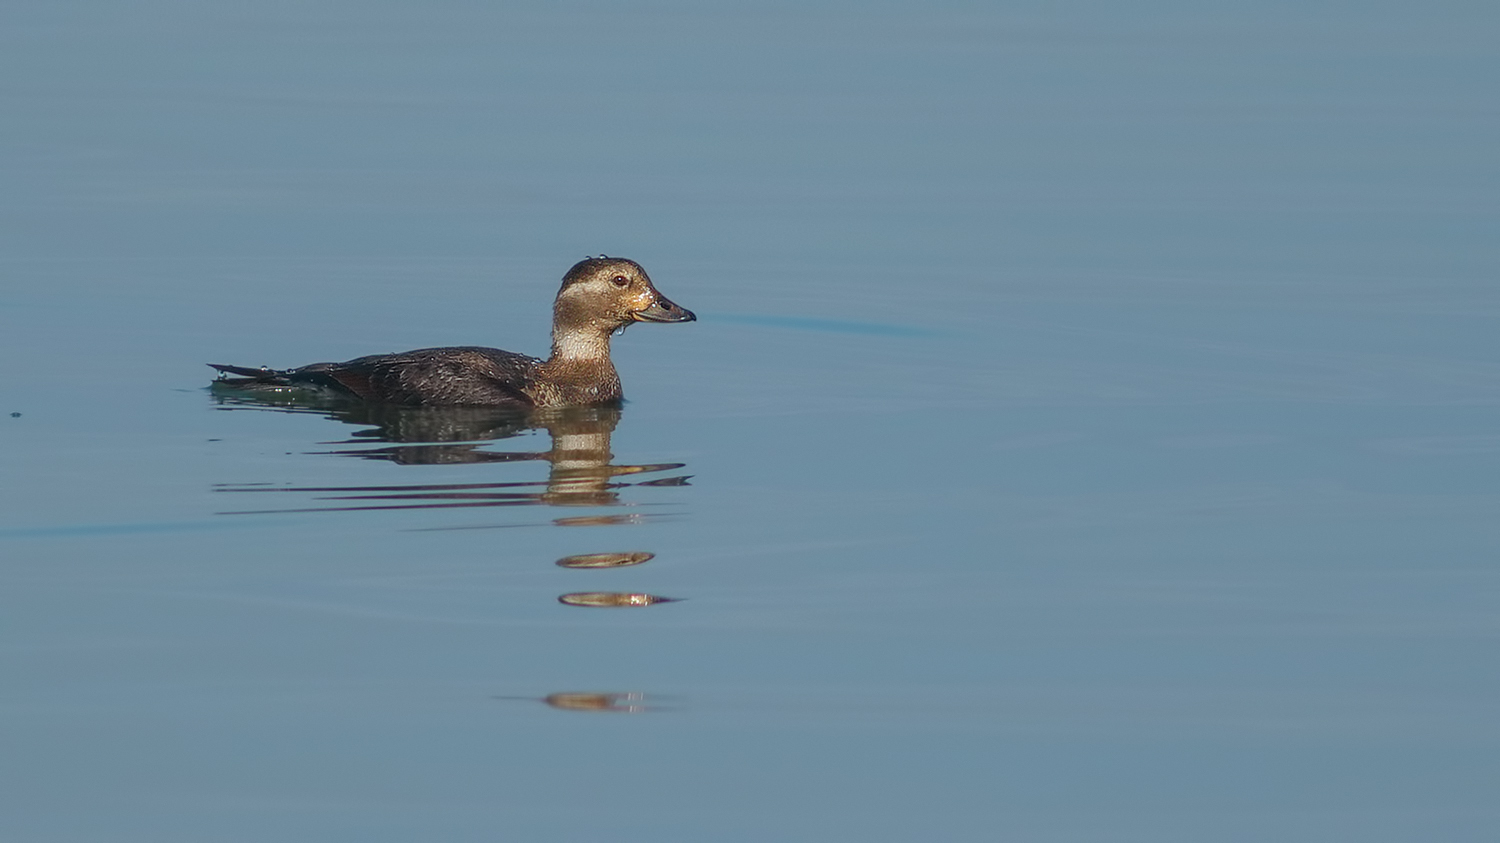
point(454, 375)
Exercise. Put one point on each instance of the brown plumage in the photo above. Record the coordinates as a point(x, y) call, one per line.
point(599, 296)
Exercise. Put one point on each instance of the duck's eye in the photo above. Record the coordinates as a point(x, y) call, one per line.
point(620, 281)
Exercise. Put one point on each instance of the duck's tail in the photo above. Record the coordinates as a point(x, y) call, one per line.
point(248, 376)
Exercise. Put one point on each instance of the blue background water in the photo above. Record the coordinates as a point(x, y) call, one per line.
point(1091, 421)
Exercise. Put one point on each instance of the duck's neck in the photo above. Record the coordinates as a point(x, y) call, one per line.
point(579, 370)
point(586, 344)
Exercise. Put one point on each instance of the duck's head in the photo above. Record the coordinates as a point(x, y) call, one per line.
point(610, 293)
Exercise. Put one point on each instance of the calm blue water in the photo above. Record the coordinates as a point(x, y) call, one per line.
point(1090, 432)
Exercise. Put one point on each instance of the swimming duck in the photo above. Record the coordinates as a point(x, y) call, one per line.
point(599, 296)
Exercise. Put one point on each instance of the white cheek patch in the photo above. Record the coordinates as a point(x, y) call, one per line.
point(579, 291)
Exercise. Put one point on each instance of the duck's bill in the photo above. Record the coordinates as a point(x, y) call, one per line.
point(663, 310)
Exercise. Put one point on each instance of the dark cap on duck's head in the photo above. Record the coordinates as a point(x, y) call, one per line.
point(613, 292)
point(593, 265)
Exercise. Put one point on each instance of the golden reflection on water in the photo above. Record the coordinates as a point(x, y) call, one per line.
point(605, 560)
point(629, 703)
point(613, 599)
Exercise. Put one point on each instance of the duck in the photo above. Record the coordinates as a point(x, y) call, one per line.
point(600, 297)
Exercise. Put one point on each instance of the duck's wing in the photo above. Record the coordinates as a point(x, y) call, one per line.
point(436, 376)
point(457, 375)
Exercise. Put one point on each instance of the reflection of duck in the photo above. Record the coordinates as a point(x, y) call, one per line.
point(599, 296)
point(581, 472)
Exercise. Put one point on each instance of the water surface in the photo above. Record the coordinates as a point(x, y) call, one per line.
point(1089, 432)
